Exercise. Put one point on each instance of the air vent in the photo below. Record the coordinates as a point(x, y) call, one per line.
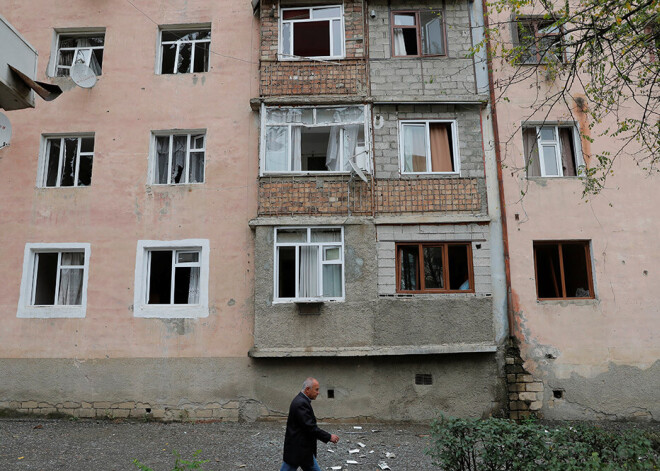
point(424, 379)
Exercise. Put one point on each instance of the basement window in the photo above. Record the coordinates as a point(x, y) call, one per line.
point(172, 279)
point(79, 48)
point(67, 161)
point(429, 147)
point(552, 151)
point(184, 51)
point(563, 270)
point(178, 158)
point(311, 32)
point(424, 379)
point(434, 267)
point(418, 33)
point(309, 264)
point(323, 139)
point(54, 280)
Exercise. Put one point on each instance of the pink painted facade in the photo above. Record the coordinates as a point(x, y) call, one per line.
point(121, 206)
point(596, 358)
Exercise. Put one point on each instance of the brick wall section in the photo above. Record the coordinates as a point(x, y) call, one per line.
point(339, 196)
point(345, 76)
point(479, 234)
point(525, 392)
point(421, 78)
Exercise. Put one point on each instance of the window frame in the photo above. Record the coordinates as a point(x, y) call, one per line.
point(153, 155)
point(535, 23)
point(26, 308)
point(282, 56)
point(577, 148)
point(265, 125)
point(322, 246)
point(418, 27)
point(182, 27)
point(141, 285)
point(80, 32)
point(589, 268)
point(445, 259)
point(44, 156)
point(426, 122)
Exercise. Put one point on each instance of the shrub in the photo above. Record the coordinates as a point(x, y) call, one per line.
point(504, 445)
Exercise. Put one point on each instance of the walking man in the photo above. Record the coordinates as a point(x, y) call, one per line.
point(302, 431)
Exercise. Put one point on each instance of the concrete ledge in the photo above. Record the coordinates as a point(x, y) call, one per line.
point(309, 100)
point(307, 352)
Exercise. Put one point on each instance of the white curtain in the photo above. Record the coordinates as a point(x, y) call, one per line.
point(276, 148)
point(193, 287)
point(179, 147)
point(332, 281)
point(162, 156)
point(196, 167)
point(71, 279)
point(399, 43)
point(332, 154)
point(309, 272)
point(350, 142)
point(296, 148)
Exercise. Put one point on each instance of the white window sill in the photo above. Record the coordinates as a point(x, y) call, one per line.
point(287, 58)
point(51, 312)
point(160, 185)
point(308, 300)
point(170, 311)
point(303, 174)
point(458, 174)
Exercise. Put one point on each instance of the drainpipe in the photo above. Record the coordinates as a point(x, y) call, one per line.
point(500, 273)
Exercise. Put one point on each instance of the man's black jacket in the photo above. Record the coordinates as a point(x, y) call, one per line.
point(302, 433)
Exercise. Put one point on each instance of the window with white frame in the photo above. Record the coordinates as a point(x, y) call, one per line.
point(309, 264)
point(312, 32)
point(429, 147)
point(321, 139)
point(552, 150)
point(54, 282)
point(184, 51)
point(178, 158)
point(171, 278)
point(67, 161)
point(79, 48)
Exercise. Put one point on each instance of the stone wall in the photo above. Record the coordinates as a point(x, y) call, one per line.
point(525, 392)
point(419, 78)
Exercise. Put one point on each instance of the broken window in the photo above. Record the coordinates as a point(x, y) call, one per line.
point(312, 32)
point(563, 270)
point(315, 139)
point(79, 48)
point(185, 51)
point(173, 277)
point(418, 33)
point(434, 267)
point(68, 161)
point(552, 151)
point(429, 147)
point(179, 159)
point(540, 41)
point(309, 263)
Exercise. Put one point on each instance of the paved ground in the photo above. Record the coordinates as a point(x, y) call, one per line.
point(81, 445)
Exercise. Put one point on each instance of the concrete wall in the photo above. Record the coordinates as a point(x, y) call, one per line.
point(421, 78)
point(366, 319)
point(600, 355)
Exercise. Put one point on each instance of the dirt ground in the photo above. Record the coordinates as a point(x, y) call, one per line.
point(81, 445)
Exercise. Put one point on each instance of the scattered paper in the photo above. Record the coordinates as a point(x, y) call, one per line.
point(371, 451)
point(354, 451)
point(362, 445)
point(335, 467)
point(390, 455)
point(375, 431)
point(351, 462)
point(357, 427)
point(383, 465)
point(330, 451)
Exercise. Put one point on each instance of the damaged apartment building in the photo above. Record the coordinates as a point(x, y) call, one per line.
point(255, 194)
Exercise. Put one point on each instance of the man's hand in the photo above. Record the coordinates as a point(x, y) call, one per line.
point(334, 438)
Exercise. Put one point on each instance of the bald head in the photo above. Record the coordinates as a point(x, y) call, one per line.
point(310, 388)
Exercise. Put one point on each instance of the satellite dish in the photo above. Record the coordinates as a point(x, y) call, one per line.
point(356, 169)
point(5, 131)
point(83, 76)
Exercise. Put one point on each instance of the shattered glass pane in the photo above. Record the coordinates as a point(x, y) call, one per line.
point(186, 35)
point(85, 170)
point(201, 57)
point(44, 289)
point(167, 62)
point(433, 268)
point(183, 60)
point(162, 159)
point(178, 159)
point(53, 162)
point(196, 167)
point(69, 161)
point(87, 144)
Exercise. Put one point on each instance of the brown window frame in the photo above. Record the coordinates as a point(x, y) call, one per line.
point(445, 260)
point(587, 253)
point(535, 24)
point(419, 34)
